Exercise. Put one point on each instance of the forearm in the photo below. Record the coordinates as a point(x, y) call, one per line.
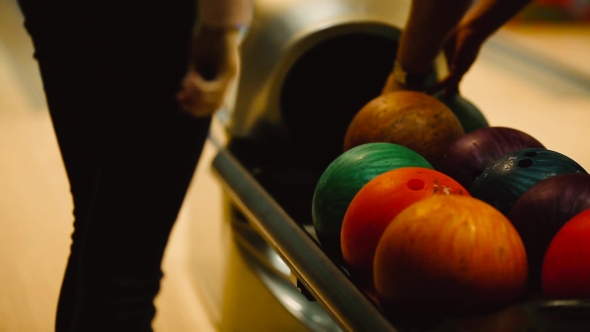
point(428, 26)
point(489, 15)
point(225, 13)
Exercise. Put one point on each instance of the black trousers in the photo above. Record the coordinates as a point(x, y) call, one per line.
point(129, 153)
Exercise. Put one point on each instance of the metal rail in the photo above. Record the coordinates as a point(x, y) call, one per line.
point(332, 289)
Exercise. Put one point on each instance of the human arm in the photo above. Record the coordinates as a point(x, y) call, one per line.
point(463, 46)
point(215, 59)
point(428, 26)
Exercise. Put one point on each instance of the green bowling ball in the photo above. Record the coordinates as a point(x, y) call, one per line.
point(469, 115)
point(344, 177)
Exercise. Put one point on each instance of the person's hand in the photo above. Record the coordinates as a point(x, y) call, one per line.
point(392, 85)
point(461, 50)
point(215, 63)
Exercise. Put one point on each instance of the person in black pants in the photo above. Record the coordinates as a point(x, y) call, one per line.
point(130, 90)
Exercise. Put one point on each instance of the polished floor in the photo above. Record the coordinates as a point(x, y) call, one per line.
point(536, 80)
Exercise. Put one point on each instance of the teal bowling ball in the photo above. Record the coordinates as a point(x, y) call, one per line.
point(469, 115)
point(344, 177)
point(506, 179)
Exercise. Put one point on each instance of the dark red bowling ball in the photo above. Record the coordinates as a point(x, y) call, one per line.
point(542, 211)
point(467, 157)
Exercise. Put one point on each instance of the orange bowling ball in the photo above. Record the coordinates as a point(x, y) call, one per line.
point(377, 204)
point(449, 256)
point(408, 118)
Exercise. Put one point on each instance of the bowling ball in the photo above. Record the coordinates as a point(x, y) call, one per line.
point(504, 180)
point(469, 115)
point(413, 119)
point(377, 204)
point(344, 177)
point(449, 256)
point(566, 268)
point(467, 157)
point(541, 212)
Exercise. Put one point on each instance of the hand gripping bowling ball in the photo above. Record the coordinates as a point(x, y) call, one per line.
point(377, 204)
point(468, 156)
point(543, 210)
point(504, 180)
point(448, 256)
point(469, 115)
point(566, 268)
point(344, 177)
point(412, 119)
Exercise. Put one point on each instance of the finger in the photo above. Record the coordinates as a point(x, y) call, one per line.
point(197, 103)
point(215, 72)
point(196, 108)
point(196, 88)
point(448, 86)
point(194, 81)
point(201, 96)
point(449, 51)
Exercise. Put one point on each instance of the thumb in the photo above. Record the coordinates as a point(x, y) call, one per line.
point(198, 83)
point(449, 86)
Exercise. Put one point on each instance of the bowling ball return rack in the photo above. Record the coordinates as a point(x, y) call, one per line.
point(267, 195)
point(307, 67)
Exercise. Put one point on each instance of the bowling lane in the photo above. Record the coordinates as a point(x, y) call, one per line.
point(537, 81)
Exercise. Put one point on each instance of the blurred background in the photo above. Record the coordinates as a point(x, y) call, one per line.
point(533, 75)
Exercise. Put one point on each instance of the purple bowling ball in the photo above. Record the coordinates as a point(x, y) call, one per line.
point(468, 156)
point(541, 212)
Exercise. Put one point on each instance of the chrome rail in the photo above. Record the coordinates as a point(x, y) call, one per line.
point(349, 308)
